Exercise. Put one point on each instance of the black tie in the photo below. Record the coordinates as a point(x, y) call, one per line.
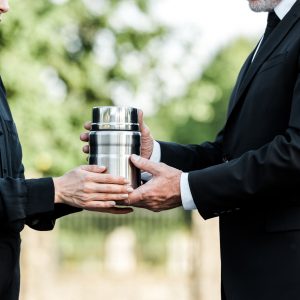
point(273, 21)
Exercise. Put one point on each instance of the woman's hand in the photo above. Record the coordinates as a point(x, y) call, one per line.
point(87, 187)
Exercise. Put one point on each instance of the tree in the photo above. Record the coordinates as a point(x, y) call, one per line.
point(200, 113)
point(60, 58)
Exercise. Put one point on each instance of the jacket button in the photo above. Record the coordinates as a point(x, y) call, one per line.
point(35, 222)
point(225, 158)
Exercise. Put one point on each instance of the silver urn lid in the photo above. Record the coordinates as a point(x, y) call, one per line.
point(115, 118)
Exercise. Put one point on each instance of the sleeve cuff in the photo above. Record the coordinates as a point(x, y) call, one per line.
point(40, 196)
point(156, 153)
point(155, 157)
point(186, 195)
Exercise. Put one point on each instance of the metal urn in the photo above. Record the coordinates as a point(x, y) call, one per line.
point(114, 136)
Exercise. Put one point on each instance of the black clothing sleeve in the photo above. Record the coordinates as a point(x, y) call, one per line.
point(273, 167)
point(31, 201)
point(192, 157)
point(262, 177)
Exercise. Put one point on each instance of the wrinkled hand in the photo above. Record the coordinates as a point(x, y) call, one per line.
point(146, 138)
point(87, 187)
point(162, 192)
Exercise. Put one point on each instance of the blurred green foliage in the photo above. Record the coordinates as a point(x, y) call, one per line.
point(200, 113)
point(60, 58)
point(85, 235)
point(50, 65)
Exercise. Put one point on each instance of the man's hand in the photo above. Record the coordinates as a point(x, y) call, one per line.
point(146, 138)
point(87, 187)
point(162, 192)
point(85, 137)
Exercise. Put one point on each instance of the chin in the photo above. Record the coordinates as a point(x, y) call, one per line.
point(263, 5)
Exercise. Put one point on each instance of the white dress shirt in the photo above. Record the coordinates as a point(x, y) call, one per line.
point(186, 196)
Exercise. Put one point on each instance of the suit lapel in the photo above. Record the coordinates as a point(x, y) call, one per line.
point(266, 50)
point(239, 80)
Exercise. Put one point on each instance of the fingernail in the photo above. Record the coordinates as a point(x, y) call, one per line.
point(126, 181)
point(124, 196)
point(135, 157)
point(112, 203)
point(130, 189)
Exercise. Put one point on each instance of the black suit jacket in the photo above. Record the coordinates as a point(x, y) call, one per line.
point(250, 176)
point(22, 202)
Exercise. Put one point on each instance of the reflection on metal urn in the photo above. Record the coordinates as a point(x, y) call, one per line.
point(114, 136)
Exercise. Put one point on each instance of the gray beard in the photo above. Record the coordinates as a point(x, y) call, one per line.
point(263, 5)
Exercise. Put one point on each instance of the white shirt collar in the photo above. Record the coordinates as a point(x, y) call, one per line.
point(283, 8)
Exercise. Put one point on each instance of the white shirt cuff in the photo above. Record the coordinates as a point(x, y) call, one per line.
point(156, 152)
point(186, 195)
point(155, 157)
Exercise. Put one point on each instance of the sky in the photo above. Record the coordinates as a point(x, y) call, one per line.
point(218, 20)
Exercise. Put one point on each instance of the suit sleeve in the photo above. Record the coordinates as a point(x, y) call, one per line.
point(192, 157)
point(273, 169)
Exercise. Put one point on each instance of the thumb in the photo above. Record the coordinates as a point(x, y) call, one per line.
point(141, 120)
point(144, 164)
point(93, 168)
point(140, 117)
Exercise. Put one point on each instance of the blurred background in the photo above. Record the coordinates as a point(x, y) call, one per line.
point(177, 60)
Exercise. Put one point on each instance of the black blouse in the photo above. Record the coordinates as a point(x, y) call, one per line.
point(29, 201)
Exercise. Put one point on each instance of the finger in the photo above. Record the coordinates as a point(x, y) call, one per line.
point(136, 204)
point(86, 149)
point(143, 127)
point(98, 204)
point(135, 197)
point(145, 164)
point(84, 137)
point(100, 198)
point(140, 118)
point(88, 125)
point(107, 178)
point(125, 204)
point(93, 187)
point(93, 168)
point(115, 210)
